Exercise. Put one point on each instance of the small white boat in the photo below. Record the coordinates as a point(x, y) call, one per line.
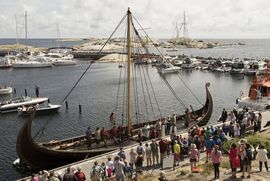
point(238, 67)
point(254, 67)
point(166, 68)
point(12, 104)
point(31, 64)
point(62, 62)
point(40, 109)
point(5, 90)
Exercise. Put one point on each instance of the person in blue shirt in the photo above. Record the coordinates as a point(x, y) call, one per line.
point(122, 154)
point(209, 147)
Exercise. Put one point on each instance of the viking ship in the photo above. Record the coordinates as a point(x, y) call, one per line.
point(57, 153)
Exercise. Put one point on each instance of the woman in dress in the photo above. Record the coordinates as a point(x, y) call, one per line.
point(193, 157)
point(234, 159)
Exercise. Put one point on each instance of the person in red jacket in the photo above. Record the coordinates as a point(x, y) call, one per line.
point(80, 175)
point(234, 159)
point(163, 147)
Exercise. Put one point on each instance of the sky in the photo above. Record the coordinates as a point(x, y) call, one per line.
point(98, 18)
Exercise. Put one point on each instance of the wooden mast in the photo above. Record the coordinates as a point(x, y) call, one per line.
point(129, 71)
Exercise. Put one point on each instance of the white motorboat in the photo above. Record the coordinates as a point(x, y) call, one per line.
point(12, 104)
point(238, 67)
point(40, 109)
point(165, 68)
point(254, 67)
point(55, 56)
point(31, 64)
point(5, 90)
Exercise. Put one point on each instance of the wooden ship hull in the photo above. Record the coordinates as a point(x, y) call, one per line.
point(58, 153)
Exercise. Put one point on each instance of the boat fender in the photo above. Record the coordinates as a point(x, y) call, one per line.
point(29, 110)
point(241, 94)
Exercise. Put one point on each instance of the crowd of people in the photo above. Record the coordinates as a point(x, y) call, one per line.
point(199, 140)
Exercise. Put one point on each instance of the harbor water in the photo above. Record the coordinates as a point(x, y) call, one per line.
point(97, 93)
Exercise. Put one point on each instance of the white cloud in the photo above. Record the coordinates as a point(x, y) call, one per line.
point(88, 18)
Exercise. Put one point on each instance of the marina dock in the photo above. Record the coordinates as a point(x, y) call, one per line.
point(87, 164)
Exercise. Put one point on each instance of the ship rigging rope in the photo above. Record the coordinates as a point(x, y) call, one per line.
point(147, 72)
point(138, 35)
point(146, 109)
point(136, 97)
point(41, 130)
point(147, 88)
point(154, 94)
point(166, 60)
point(120, 76)
point(173, 92)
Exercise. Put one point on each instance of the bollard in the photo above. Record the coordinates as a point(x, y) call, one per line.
point(49, 101)
point(80, 109)
point(66, 105)
point(25, 92)
point(14, 90)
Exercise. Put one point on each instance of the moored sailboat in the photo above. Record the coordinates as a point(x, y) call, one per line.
point(57, 153)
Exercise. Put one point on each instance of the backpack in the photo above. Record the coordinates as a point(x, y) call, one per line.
point(249, 155)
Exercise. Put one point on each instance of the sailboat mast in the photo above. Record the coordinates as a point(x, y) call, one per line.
point(129, 71)
point(25, 27)
point(58, 37)
point(17, 36)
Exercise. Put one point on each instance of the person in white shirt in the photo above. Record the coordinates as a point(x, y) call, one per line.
point(262, 156)
point(118, 169)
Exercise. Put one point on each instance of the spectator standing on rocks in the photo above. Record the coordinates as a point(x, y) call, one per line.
point(193, 157)
point(216, 159)
point(247, 160)
point(262, 156)
point(234, 159)
point(209, 147)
